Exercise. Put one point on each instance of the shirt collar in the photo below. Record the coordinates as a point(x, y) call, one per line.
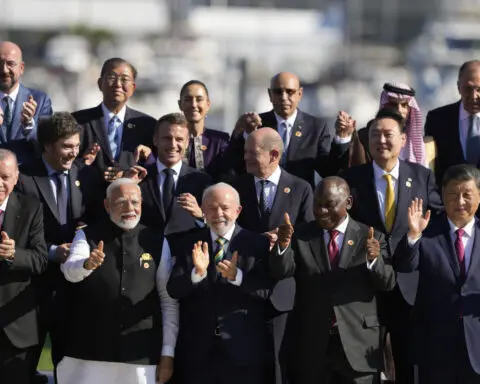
point(468, 228)
point(3, 206)
point(13, 95)
point(274, 178)
point(290, 120)
point(50, 170)
point(342, 227)
point(227, 236)
point(109, 114)
point(379, 172)
point(177, 167)
point(464, 115)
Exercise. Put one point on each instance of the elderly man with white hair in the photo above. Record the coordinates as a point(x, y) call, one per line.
point(221, 281)
point(123, 325)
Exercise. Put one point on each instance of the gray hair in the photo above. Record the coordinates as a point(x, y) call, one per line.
point(214, 187)
point(5, 154)
point(119, 182)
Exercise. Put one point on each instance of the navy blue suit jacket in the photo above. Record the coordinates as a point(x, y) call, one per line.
point(22, 141)
point(443, 295)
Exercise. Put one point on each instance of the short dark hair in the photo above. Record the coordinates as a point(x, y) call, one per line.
point(390, 113)
point(461, 172)
point(172, 118)
point(115, 62)
point(467, 64)
point(193, 82)
point(53, 128)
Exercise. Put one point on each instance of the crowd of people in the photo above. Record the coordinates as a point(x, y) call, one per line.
point(159, 250)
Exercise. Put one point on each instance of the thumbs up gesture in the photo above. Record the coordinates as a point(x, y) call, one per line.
point(228, 268)
point(96, 258)
point(285, 232)
point(7, 246)
point(373, 246)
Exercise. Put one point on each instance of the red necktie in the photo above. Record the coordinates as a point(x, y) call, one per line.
point(460, 251)
point(333, 248)
point(2, 218)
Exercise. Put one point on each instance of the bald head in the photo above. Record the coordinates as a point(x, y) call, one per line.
point(332, 202)
point(11, 66)
point(334, 183)
point(263, 152)
point(285, 93)
point(469, 86)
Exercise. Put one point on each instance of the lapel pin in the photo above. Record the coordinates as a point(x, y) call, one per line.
point(77, 183)
point(409, 183)
point(130, 125)
point(287, 190)
point(299, 127)
point(350, 242)
point(298, 134)
point(146, 265)
point(203, 147)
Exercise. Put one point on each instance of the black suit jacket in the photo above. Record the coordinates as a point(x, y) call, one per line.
point(414, 181)
point(138, 128)
point(23, 222)
point(236, 312)
point(190, 181)
point(349, 291)
point(310, 148)
point(442, 124)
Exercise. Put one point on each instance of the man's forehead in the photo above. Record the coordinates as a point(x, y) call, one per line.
point(125, 190)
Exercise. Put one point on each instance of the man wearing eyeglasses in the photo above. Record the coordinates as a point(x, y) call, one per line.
point(122, 325)
point(21, 106)
point(307, 139)
point(112, 131)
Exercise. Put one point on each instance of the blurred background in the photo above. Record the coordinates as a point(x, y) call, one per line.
point(342, 50)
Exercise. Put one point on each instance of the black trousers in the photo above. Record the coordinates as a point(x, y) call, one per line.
point(339, 370)
point(17, 365)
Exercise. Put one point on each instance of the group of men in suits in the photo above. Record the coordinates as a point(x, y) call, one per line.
point(273, 282)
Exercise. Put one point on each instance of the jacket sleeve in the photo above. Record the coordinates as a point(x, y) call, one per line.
point(382, 273)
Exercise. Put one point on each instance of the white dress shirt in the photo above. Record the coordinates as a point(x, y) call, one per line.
point(381, 185)
point(162, 176)
point(270, 188)
point(289, 123)
point(74, 272)
point(108, 115)
point(463, 126)
point(14, 96)
point(3, 207)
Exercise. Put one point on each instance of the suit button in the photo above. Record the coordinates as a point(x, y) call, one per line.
point(217, 331)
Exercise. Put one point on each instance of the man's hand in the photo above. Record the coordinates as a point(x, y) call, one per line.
point(272, 237)
point(91, 154)
point(142, 152)
point(7, 247)
point(62, 252)
point(248, 122)
point(200, 257)
point(285, 232)
point(1, 116)
point(28, 111)
point(96, 258)
point(164, 369)
point(113, 173)
point(188, 202)
point(136, 173)
point(417, 222)
point(373, 246)
point(344, 125)
point(228, 268)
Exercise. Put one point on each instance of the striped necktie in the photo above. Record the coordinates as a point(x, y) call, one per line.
point(220, 254)
point(113, 136)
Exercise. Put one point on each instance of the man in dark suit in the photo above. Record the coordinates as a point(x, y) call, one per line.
point(22, 107)
point(171, 189)
point(446, 254)
point(23, 254)
point(266, 193)
point(339, 267)
point(382, 191)
point(221, 286)
point(112, 130)
point(456, 127)
point(307, 139)
point(63, 187)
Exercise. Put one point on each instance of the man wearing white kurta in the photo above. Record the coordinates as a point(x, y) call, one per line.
point(122, 323)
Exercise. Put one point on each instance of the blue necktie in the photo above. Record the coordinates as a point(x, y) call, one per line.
point(8, 116)
point(114, 136)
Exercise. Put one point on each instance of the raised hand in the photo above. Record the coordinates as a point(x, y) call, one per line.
point(142, 152)
point(188, 202)
point(136, 173)
point(344, 125)
point(417, 222)
point(228, 268)
point(113, 173)
point(7, 246)
point(285, 232)
point(91, 154)
point(248, 122)
point(200, 257)
point(373, 246)
point(29, 108)
point(272, 237)
point(96, 258)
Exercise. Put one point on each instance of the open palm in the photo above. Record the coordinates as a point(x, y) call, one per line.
point(200, 256)
point(417, 222)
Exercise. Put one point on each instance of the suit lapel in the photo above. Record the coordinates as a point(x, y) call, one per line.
point(43, 183)
point(454, 133)
point(296, 135)
point(349, 245)
point(282, 199)
point(12, 216)
point(17, 110)
point(98, 126)
point(154, 189)
point(474, 258)
point(404, 196)
point(251, 201)
point(269, 120)
point(76, 199)
point(446, 243)
point(319, 248)
point(369, 197)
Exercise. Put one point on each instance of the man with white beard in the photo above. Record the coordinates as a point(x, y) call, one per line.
point(122, 325)
point(221, 281)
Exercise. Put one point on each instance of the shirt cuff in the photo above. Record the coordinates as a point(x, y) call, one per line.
point(342, 140)
point(168, 350)
point(370, 264)
point(280, 251)
point(51, 252)
point(238, 279)
point(196, 278)
point(411, 241)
